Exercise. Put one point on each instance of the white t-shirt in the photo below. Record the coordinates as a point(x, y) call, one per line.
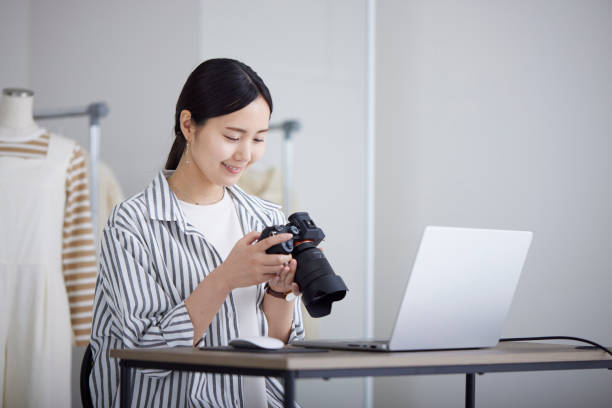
point(220, 225)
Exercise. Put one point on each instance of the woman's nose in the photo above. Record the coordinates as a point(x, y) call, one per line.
point(243, 153)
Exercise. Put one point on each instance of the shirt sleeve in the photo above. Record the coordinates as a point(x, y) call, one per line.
point(147, 315)
point(78, 248)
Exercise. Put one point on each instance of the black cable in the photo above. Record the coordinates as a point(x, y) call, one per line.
point(559, 338)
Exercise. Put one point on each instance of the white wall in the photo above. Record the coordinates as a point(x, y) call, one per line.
point(15, 44)
point(490, 114)
point(499, 114)
point(311, 56)
point(134, 57)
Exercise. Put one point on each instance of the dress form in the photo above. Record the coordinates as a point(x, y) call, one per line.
point(35, 300)
point(16, 117)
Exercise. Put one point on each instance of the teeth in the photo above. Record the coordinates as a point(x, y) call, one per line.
point(231, 167)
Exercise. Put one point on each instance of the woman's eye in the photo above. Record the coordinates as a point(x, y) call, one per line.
point(233, 139)
point(259, 140)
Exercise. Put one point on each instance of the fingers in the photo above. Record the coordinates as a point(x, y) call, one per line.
point(289, 273)
point(251, 237)
point(295, 288)
point(283, 282)
point(275, 270)
point(274, 240)
point(286, 276)
point(275, 259)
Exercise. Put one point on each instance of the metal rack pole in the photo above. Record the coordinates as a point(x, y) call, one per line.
point(288, 127)
point(370, 181)
point(95, 111)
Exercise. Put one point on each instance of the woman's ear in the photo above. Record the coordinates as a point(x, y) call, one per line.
point(187, 125)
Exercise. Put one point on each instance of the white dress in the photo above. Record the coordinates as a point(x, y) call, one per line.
point(35, 330)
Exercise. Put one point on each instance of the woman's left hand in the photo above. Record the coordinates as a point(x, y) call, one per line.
point(283, 282)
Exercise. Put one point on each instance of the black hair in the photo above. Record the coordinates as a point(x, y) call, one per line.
point(216, 87)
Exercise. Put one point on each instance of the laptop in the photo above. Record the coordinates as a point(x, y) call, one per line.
point(458, 294)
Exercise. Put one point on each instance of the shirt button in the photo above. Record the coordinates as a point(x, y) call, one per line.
point(230, 314)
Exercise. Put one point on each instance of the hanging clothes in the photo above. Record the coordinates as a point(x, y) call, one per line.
point(78, 249)
point(47, 268)
point(109, 194)
point(263, 183)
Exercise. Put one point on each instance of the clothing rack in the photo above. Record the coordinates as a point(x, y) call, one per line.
point(288, 127)
point(95, 111)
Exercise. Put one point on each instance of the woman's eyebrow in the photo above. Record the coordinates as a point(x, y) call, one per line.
point(243, 130)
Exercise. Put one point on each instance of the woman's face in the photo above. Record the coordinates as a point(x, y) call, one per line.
point(226, 145)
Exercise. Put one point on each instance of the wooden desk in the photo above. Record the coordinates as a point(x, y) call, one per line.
point(506, 357)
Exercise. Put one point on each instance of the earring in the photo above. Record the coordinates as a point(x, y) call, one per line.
point(187, 161)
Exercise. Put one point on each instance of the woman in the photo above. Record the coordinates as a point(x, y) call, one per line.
point(180, 262)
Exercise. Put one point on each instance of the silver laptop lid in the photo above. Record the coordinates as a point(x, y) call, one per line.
point(460, 290)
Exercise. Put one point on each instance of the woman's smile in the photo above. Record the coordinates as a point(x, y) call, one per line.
point(232, 169)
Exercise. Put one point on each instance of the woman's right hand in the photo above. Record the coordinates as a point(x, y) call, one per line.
point(248, 263)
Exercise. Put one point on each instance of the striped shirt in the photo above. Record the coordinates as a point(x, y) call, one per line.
point(151, 260)
point(78, 249)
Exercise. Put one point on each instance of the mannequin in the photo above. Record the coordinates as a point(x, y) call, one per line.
point(16, 119)
point(22, 138)
point(47, 257)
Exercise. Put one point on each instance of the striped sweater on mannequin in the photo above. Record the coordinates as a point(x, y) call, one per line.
point(78, 249)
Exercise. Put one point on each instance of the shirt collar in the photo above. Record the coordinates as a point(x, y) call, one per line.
point(162, 203)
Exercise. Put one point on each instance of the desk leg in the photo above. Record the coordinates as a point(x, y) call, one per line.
point(125, 386)
point(470, 390)
point(289, 389)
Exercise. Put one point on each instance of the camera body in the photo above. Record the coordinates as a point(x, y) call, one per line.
point(319, 284)
point(301, 226)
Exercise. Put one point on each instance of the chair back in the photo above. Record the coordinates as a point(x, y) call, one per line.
point(86, 367)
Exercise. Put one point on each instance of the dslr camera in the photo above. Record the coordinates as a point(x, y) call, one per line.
point(319, 284)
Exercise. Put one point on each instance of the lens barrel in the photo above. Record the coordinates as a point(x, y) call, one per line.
point(319, 284)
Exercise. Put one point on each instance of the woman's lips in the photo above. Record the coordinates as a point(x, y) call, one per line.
point(232, 169)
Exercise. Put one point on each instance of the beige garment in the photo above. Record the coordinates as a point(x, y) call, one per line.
point(109, 194)
point(266, 184)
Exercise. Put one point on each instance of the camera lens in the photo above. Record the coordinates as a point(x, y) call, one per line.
point(319, 284)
